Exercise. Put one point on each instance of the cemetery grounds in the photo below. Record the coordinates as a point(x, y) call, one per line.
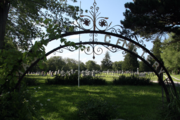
point(59, 102)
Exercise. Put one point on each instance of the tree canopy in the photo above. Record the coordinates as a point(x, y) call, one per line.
point(92, 65)
point(117, 65)
point(171, 54)
point(152, 17)
point(130, 61)
point(106, 63)
point(22, 20)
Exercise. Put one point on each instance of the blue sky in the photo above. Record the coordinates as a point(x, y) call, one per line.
point(108, 8)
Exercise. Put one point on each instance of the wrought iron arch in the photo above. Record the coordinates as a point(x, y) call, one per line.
point(103, 44)
point(106, 30)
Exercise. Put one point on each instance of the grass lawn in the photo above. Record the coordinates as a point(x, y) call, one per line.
point(134, 102)
point(176, 76)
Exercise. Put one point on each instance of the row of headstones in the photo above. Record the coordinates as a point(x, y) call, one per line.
point(86, 73)
point(62, 73)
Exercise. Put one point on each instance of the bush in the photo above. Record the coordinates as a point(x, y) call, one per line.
point(89, 80)
point(30, 81)
point(131, 80)
point(96, 109)
point(172, 110)
point(18, 105)
point(73, 80)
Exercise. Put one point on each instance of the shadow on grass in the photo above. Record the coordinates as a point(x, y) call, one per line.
point(135, 102)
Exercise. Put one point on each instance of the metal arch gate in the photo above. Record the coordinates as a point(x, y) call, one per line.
point(113, 49)
point(94, 18)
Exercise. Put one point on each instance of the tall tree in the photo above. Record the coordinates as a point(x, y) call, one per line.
point(91, 65)
point(106, 63)
point(171, 54)
point(117, 65)
point(143, 67)
point(20, 20)
point(130, 61)
point(156, 50)
point(152, 17)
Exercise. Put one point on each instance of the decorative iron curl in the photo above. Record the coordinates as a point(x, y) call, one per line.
point(124, 53)
point(111, 49)
point(114, 30)
point(70, 48)
point(95, 50)
point(58, 51)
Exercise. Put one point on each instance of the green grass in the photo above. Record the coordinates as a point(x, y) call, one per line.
point(135, 102)
point(176, 76)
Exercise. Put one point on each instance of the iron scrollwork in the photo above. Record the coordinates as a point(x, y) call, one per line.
point(95, 50)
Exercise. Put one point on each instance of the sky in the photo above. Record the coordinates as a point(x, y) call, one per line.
point(114, 11)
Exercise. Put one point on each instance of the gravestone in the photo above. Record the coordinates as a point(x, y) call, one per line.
point(83, 74)
point(93, 74)
point(52, 74)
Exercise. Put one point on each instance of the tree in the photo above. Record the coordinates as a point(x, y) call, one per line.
point(130, 61)
point(156, 50)
point(19, 20)
point(171, 54)
point(106, 63)
point(91, 65)
point(82, 66)
point(70, 64)
point(152, 17)
point(117, 65)
point(143, 67)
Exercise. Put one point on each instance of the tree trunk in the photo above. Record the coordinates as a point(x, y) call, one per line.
point(4, 9)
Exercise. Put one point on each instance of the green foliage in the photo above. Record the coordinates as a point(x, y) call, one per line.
point(30, 81)
point(171, 54)
point(21, 22)
point(131, 80)
point(73, 80)
point(92, 65)
point(117, 65)
point(58, 63)
point(171, 111)
point(152, 17)
point(130, 62)
point(106, 63)
point(89, 80)
point(18, 105)
point(143, 67)
point(156, 50)
point(95, 108)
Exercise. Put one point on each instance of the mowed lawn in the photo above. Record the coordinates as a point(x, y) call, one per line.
point(134, 102)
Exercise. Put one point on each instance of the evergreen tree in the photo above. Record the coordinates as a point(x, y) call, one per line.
point(152, 17)
point(130, 61)
point(106, 63)
point(156, 50)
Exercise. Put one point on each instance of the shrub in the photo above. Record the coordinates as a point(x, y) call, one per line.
point(73, 80)
point(30, 81)
point(18, 105)
point(171, 111)
point(89, 80)
point(131, 80)
point(96, 109)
